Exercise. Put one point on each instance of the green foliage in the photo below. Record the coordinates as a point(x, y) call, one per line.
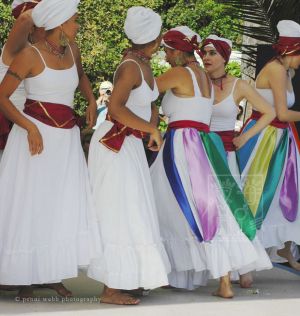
point(234, 68)
point(6, 21)
point(102, 40)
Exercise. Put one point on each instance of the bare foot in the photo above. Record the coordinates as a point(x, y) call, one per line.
point(25, 292)
point(224, 290)
point(113, 296)
point(286, 253)
point(246, 280)
point(59, 288)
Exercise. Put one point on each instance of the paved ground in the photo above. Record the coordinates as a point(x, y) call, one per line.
point(275, 293)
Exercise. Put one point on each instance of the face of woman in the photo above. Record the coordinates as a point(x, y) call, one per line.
point(71, 27)
point(172, 56)
point(212, 60)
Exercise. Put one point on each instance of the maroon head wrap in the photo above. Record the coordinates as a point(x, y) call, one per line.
point(179, 41)
point(221, 47)
point(287, 46)
point(21, 8)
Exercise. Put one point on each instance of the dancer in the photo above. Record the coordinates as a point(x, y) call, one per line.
point(49, 228)
point(269, 162)
point(201, 234)
point(22, 33)
point(134, 255)
point(229, 92)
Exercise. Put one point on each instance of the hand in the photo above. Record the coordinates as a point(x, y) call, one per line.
point(91, 115)
point(155, 141)
point(240, 141)
point(35, 141)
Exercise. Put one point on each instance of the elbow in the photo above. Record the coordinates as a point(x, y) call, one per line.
point(282, 116)
point(112, 113)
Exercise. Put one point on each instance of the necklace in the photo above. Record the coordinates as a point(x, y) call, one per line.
point(219, 81)
point(54, 49)
point(139, 54)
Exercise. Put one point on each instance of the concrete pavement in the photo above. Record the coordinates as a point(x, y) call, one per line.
point(275, 293)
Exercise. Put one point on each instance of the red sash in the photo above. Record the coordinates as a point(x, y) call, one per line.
point(115, 137)
point(5, 127)
point(227, 137)
point(276, 123)
point(52, 114)
point(189, 124)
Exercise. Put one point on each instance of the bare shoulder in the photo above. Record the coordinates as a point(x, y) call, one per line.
point(128, 70)
point(274, 68)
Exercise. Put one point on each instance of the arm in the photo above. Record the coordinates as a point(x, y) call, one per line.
point(278, 83)
point(247, 92)
point(169, 80)
point(21, 67)
point(85, 89)
point(18, 36)
point(154, 114)
point(127, 78)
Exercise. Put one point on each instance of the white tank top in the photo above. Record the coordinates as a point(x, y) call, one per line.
point(268, 95)
point(196, 108)
point(52, 85)
point(18, 97)
point(140, 99)
point(224, 113)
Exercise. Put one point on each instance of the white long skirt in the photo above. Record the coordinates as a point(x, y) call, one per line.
point(192, 262)
point(48, 226)
point(134, 255)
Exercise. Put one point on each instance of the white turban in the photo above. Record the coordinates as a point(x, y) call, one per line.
point(53, 13)
point(142, 25)
point(288, 28)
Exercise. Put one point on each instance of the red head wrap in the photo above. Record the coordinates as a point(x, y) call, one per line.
point(287, 46)
point(179, 41)
point(21, 8)
point(221, 47)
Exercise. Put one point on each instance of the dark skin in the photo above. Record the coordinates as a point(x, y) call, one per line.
point(128, 77)
point(28, 64)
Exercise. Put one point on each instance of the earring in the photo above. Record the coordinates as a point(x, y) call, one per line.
point(63, 39)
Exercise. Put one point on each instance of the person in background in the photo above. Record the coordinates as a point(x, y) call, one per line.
point(105, 90)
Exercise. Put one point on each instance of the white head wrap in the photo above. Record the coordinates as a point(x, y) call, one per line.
point(142, 25)
point(53, 13)
point(288, 28)
point(217, 38)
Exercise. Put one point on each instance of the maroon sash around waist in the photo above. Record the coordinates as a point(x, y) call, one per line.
point(52, 114)
point(5, 127)
point(276, 123)
point(227, 137)
point(189, 124)
point(115, 137)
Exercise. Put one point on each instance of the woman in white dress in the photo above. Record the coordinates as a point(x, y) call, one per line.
point(273, 155)
point(202, 234)
point(50, 227)
point(229, 91)
point(22, 33)
point(134, 255)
